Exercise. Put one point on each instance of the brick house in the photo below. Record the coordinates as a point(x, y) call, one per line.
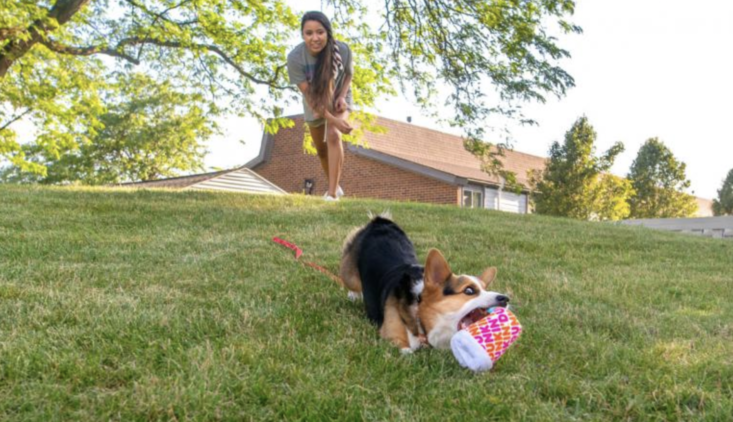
point(408, 163)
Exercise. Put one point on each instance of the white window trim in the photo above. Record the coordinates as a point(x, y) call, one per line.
point(474, 189)
point(522, 198)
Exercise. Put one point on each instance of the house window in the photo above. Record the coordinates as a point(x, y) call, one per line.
point(473, 199)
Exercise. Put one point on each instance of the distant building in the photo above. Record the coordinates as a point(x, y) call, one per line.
point(408, 163)
point(235, 180)
point(704, 207)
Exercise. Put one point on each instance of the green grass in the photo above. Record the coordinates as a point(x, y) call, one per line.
point(150, 305)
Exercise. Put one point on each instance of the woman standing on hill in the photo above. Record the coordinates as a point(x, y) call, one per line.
point(322, 69)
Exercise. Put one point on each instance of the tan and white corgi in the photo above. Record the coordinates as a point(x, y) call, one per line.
point(409, 302)
point(450, 302)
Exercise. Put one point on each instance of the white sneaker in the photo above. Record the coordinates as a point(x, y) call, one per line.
point(329, 198)
point(339, 192)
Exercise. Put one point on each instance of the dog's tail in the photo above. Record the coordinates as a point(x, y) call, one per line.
point(348, 245)
point(328, 273)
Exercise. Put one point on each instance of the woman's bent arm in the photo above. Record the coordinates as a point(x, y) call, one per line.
point(342, 125)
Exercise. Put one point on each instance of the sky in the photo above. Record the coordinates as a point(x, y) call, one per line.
point(642, 69)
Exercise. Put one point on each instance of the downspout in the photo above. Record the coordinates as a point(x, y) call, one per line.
point(501, 188)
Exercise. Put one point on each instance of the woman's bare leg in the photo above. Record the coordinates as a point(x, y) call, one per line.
point(318, 134)
point(335, 155)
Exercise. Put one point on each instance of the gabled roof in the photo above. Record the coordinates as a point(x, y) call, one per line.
point(443, 152)
point(235, 180)
point(426, 151)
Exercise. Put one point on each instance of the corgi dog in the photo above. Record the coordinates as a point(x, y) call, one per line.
point(451, 302)
point(379, 264)
point(410, 303)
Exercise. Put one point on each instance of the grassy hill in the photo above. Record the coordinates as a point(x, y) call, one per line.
point(150, 305)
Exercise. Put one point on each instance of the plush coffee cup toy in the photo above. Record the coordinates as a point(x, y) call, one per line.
point(479, 345)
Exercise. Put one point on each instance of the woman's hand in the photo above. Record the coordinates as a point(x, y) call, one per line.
point(341, 105)
point(342, 125)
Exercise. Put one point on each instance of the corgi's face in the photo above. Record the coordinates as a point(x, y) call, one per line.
point(450, 302)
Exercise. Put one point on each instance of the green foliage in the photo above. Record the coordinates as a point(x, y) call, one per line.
point(149, 131)
point(367, 122)
point(575, 184)
point(658, 179)
point(472, 45)
point(60, 95)
point(491, 158)
point(612, 198)
point(56, 59)
point(58, 62)
point(723, 205)
point(491, 57)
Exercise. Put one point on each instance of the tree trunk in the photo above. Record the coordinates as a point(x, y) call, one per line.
point(62, 11)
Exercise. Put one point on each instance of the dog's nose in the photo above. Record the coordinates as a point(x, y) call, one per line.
point(502, 299)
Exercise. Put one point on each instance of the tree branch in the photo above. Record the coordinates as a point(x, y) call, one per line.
point(162, 14)
point(62, 11)
point(208, 47)
point(118, 52)
point(158, 16)
point(87, 51)
point(15, 119)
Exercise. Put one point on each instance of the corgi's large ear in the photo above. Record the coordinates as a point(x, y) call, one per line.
point(488, 276)
point(437, 270)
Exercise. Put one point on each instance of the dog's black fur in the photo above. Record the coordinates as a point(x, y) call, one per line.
point(388, 267)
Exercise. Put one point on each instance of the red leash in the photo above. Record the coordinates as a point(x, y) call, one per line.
point(299, 252)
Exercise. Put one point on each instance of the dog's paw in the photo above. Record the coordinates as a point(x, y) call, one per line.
point(416, 342)
point(406, 351)
point(354, 296)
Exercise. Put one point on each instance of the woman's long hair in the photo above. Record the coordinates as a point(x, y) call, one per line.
point(321, 88)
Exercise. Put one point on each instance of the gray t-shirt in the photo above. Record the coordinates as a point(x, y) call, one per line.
point(302, 66)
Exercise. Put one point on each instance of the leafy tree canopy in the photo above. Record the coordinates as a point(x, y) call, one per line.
point(59, 58)
point(575, 184)
point(149, 131)
point(612, 198)
point(723, 205)
point(659, 179)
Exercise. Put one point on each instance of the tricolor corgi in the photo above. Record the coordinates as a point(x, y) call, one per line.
point(408, 302)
